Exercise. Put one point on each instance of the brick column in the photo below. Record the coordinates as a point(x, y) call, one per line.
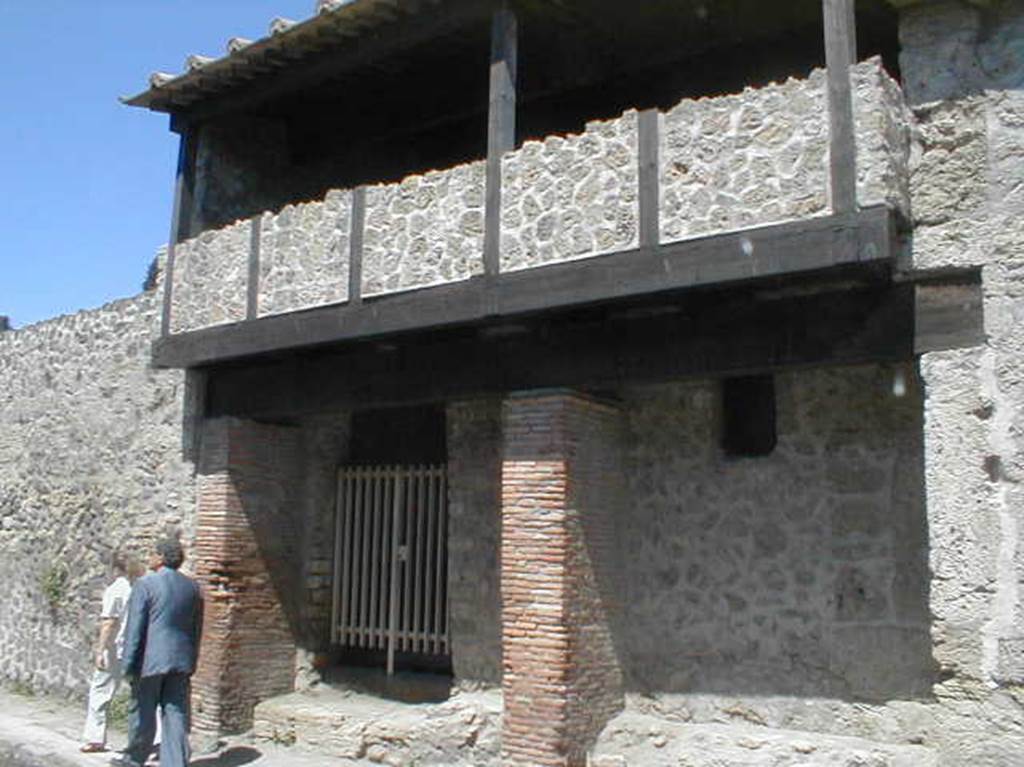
point(246, 559)
point(562, 485)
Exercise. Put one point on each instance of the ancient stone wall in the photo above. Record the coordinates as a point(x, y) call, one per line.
point(474, 540)
point(571, 197)
point(762, 156)
point(210, 278)
point(964, 72)
point(304, 255)
point(92, 457)
point(424, 230)
point(781, 574)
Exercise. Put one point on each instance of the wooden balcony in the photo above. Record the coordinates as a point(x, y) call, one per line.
point(712, 192)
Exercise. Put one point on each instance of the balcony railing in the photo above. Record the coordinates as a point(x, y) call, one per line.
point(705, 167)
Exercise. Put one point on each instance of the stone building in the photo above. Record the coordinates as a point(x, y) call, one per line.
point(647, 373)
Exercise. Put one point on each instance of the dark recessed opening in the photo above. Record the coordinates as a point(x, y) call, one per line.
point(406, 436)
point(748, 416)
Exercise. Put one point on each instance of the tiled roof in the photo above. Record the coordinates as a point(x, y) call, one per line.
point(335, 23)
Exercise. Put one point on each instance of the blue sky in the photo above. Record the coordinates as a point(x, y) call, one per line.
point(85, 183)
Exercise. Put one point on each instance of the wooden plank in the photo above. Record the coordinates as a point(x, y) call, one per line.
point(356, 235)
point(840, 54)
point(710, 334)
point(501, 126)
point(949, 315)
point(184, 185)
point(649, 180)
point(747, 256)
point(252, 296)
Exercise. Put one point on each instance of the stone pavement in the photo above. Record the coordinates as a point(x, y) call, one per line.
point(45, 732)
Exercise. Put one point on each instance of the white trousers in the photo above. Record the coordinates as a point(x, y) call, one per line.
point(102, 689)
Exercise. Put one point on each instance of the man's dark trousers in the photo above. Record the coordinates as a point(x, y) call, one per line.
point(171, 693)
point(161, 646)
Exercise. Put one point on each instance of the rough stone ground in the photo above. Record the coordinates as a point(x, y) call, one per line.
point(44, 732)
point(635, 739)
point(349, 724)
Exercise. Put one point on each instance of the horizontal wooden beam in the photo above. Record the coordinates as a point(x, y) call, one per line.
point(949, 312)
point(751, 255)
point(742, 331)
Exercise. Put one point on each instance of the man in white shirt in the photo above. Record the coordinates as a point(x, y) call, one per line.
point(109, 649)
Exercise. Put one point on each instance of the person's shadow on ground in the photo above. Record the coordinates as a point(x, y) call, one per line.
point(232, 757)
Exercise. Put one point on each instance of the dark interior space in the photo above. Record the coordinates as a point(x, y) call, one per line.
point(748, 416)
point(407, 436)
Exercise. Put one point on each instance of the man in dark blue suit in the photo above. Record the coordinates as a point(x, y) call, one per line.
point(161, 647)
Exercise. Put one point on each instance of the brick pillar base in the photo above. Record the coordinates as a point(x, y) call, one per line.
point(562, 484)
point(245, 557)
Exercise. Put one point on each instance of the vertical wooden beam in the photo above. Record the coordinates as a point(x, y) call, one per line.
point(184, 184)
point(355, 253)
point(840, 55)
point(253, 287)
point(501, 126)
point(649, 197)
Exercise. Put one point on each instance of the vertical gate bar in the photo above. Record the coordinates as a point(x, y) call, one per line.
point(410, 513)
point(421, 569)
point(429, 628)
point(357, 561)
point(396, 516)
point(343, 504)
point(339, 503)
point(385, 558)
point(440, 633)
point(378, 504)
point(364, 586)
point(346, 589)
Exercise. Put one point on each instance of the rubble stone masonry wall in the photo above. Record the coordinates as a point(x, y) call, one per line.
point(783, 574)
point(425, 230)
point(964, 72)
point(91, 458)
point(761, 156)
point(210, 278)
point(571, 197)
point(304, 255)
point(474, 539)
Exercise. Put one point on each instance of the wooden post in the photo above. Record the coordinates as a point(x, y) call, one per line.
point(649, 200)
point(253, 288)
point(501, 126)
point(184, 186)
point(355, 252)
point(840, 55)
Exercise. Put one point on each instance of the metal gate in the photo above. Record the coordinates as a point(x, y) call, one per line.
point(391, 561)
